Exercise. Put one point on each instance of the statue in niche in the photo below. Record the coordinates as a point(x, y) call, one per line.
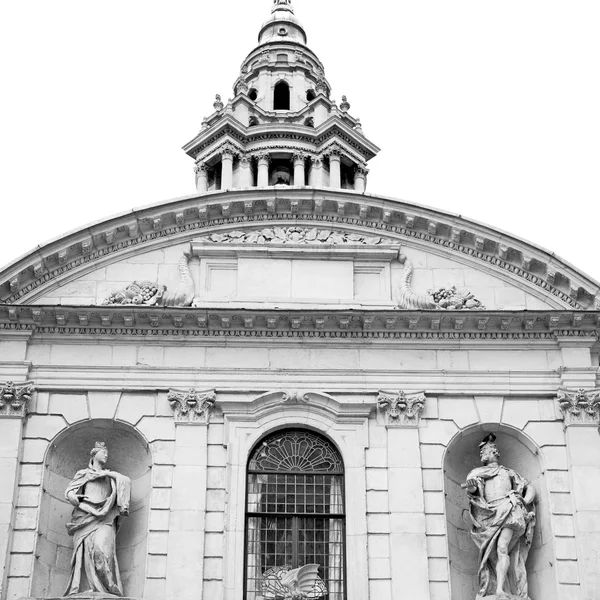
point(100, 497)
point(503, 515)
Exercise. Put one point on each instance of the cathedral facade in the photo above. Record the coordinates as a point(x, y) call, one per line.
point(294, 382)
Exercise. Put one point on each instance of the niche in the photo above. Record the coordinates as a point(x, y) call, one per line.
point(281, 96)
point(128, 454)
point(310, 95)
point(516, 452)
point(253, 94)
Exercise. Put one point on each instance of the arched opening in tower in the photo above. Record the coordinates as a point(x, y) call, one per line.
point(281, 96)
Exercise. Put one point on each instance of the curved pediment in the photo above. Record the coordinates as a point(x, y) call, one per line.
point(301, 226)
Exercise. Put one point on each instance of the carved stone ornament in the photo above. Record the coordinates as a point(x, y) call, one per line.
point(192, 406)
point(294, 235)
point(440, 299)
point(14, 399)
point(580, 407)
point(148, 293)
point(401, 409)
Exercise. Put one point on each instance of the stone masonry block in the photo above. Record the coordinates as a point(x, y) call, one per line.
point(376, 457)
point(157, 566)
point(216, 478)
point(155, 589)
point(377, 479)
point(586, 482)
point(434, 503)
point(20, 565)
point(433, 480)
point(79, 354)
point(34, 451)
point(23, 541)
point(437, 432)
point(561, 503)
point(405, 490)
point(377, 502)
point(545, 434)
point(163, 452)
point(567, 571)
point(403, 448)
point(215, 522)
point(215, 500)
point(558, 481)
point(519, 412)
point(161, 498)
point(28, 496)
point(185, 356)
point(103, 405)
point(159, 520)
point(157, 542)
point(17, 587)
point(189, 488)
point(380, 589)
point(216, 433)
point(186, 521)
point(437, 547)
point(439, 590)
point(401, 523)
point(10, 438)
point(213, 569)
point(461, 410)
point(378, 546)
point(213, 545)
point(489, 408)
point(8, 475)
point(435, 524)
point(217, 456)
point(379, 568)
point(157, 428)
point(438, 569)
point(563, 526)
point(566, 548)
point(432, 456)
point(31, 474)
point(555, 457)
point(133, 407)
point(73, 407)
point(162, 476)
point(378, 523)
point(43, 426)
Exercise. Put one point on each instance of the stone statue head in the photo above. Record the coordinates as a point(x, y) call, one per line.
point(488, 451)
point(101, 452)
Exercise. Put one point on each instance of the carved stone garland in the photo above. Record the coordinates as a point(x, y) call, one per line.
point(401, 409)
point(580, 407)
point(14, 399)
point(192, 407)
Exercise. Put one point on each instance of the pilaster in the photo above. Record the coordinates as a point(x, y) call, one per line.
point(578, 369)
point(14, 401)
point(581, 413)
point(185, 562)
point(408, 543)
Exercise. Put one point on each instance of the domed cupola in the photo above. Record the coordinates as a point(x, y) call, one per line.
point(281, 127)
point(282, 25)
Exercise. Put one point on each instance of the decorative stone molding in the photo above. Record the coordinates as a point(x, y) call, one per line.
point(401, 409)
point(580, 407)
point(14, 399)
point(192, 407)
point(294, 235)
point(294, 397)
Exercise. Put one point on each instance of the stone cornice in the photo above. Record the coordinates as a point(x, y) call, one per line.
point(327, 323)
point(179, 220)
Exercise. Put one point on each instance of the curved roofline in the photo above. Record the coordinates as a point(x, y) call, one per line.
point(193, 213)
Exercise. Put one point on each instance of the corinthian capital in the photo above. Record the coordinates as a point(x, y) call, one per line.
point(192, 407)
point(580, 407)
point(14, 399)
point(401, 409)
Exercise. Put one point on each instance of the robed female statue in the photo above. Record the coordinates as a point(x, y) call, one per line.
point(100, 497)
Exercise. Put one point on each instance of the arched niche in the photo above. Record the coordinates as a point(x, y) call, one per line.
point(129, 454)
point(520, 454)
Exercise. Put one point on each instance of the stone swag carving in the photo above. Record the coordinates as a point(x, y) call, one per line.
point(100, 499)
point(293, 235)
point(580, 407)
point(440, 299)
point(502, 511)
point(14, 399)
point(401, 409)
point(192, 406)
point(148, 293)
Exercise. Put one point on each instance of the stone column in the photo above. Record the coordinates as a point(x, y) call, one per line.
point(408, 542)
point(581, 412)
point(263, 170)
point(360, 179)
point(316, 172)
point(201, 178)
point(185, 558)
point(335, 173)
point(227, 169)
point(14, 399)
point(299, 176)
point(245, 172)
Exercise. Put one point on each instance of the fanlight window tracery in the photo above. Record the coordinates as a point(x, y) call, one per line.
point(295, 519)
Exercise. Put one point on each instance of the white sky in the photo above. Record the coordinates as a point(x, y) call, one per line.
point(486, 108)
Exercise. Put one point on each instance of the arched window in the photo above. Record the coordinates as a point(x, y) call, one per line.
point(295, 517)
point(281, 96)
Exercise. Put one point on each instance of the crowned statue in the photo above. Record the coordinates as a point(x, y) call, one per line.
point(100, 498)
point(503, 515)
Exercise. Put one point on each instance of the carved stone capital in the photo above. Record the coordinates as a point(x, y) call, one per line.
point(580, 407)
point(192, 407)
point(299, 158)
point(361, 171)
point(200, 168)
point(228, 151)
point(263, 157)
point(401, 409)
point(14, 399)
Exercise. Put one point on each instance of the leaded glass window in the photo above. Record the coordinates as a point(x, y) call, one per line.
point(295, 519)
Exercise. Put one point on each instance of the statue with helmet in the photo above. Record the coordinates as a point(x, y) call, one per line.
point(503, 514)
